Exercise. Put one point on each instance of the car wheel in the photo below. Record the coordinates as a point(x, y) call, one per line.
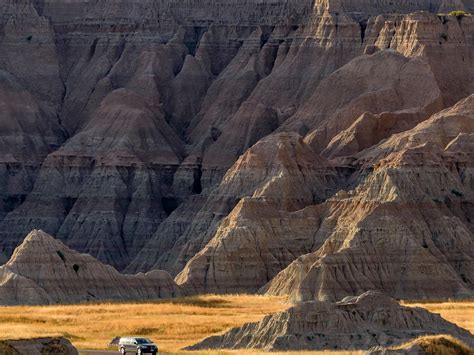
point(122, 351)
point(139, 352)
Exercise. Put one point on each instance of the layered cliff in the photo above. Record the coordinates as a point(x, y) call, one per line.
point(254, 241)
point(120, 122)
point(411, 236)
point(43, 270)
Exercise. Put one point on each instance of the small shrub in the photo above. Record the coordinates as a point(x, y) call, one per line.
point(456, 192)
point(458, 13)
point(76, 268)
point(445, 345)
point(29, 38)
point(444, 36)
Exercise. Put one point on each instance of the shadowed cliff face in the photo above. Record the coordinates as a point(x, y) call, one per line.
point(120, 120)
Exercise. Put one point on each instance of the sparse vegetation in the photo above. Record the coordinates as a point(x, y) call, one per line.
point(461, 312)
point(459, 13)
point(439, 345)
point(173, 324)
point(54, 347)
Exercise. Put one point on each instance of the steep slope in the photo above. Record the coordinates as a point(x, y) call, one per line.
point(110, 182)
point(30, 94)
point(410, 240)
point(128, 114)
point(252, 244)
point(383, 82)
point(43, 270)
point(404, 95)
point(265, 242)
point(266, 170)
point(355, 323)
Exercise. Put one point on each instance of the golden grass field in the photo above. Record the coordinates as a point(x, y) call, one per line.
point(459, 312)
point(172, 324)
point(438, 344)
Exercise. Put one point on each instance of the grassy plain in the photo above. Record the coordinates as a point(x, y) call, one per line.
point(173, 324)
point(459, 312)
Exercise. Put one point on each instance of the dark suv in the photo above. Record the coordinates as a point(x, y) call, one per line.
point(136, 345)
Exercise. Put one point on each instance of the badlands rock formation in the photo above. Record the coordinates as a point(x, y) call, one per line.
point(38, 346)
point(355, 323)
point(410, 240)
point(43, 270)
point(210, 138)
point(259, 233)
point(387, 234)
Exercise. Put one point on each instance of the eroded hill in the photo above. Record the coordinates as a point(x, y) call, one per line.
point(316, 149)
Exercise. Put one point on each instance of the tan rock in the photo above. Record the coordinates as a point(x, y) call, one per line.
point(354, 323)
point(120, 119)
point(43, 270)
point(371, 84)
point(38, 346)
point(253, 242)
point(410, 240)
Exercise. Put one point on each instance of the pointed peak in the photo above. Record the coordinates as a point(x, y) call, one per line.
point(37, 242)
point(37, 235)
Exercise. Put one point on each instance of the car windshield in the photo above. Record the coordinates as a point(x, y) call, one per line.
point(143, 341)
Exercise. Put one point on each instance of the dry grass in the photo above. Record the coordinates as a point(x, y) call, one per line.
point(261, 352)
point(461, 313)
point(439, 345)
point(173, 324)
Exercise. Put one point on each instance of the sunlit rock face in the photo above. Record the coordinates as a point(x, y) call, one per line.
point(43, 270)
point(207, 139)
point(407, 228)
point(357, 323)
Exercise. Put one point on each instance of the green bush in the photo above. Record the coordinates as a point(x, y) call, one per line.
point(458, 13)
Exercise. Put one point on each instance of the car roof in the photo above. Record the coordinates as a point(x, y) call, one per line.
point(133, 337)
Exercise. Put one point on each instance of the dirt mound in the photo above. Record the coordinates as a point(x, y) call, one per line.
point(355, 323)
point(38, 346)
point(43, 270)
point(434, 345)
